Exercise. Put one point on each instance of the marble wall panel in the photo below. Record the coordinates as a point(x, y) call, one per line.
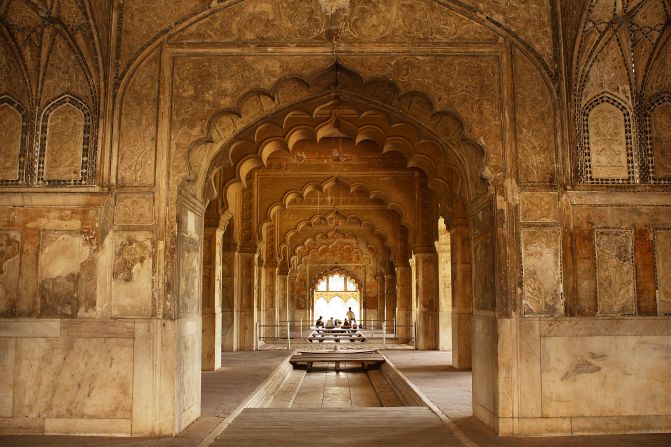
point(190, 368)
point(73, 378)
point(535, 124)
point(605, 376)
point(67, 274)
point(11, 137)
point(139, 120)
point(616, 282)
point(10, 266)
point(663, 259)
point(608, 142)
point(660, 123)
point(7, 364)
point(64, 144)
point(541, 267)
point(132, 275)
point(539, 207)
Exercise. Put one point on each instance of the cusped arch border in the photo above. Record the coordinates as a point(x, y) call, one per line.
point(335, 271)
point(647, 149)
point(359, 186)
point(320, 240)
point(398, 135)
point(364, 225)
point(585, 158)
point(87, 171)
point(19, 108)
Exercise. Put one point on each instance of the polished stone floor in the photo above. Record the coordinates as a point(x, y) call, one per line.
point(447, 388)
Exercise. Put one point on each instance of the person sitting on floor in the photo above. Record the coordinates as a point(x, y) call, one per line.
point(329, 323)
point(346, 324)
point(338, 323)
point(319, 322)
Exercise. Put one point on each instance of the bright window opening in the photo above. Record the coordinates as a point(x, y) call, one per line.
point(334, 296)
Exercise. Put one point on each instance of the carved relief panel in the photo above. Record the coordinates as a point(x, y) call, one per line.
point(616, 282)
point(607, 148)
point(13, 141)
point(132, 274)
point(663, 260)
point(541, 272)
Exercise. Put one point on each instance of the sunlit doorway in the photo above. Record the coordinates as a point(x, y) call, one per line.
point(334, 295)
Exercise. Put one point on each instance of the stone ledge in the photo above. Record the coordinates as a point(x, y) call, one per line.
point(30, 328)
point(87, 427)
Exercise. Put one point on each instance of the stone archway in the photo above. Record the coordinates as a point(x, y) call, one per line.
point(445, 163)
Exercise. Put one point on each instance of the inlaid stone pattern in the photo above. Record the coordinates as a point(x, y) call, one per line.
point(541, 267)
point(616, 282)
point(10, 258)
point(663, 259)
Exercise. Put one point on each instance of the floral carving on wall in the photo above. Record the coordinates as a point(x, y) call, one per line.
point(130, 253)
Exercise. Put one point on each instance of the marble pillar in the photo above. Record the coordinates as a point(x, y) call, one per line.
point(211, 328)
point(245, 308)
point(381, 298)
point(426, 271)
point(228, 329)
point(390, 301)
point(462, 295)
point(268, 300)
point(281, 297)
point(404, 302)
point(444, 289)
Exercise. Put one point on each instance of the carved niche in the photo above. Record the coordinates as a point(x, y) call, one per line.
point(616, 281)
point(663, 259)
point(607, 143)
point(659, 141)
point(66, 155)
point(13, 136)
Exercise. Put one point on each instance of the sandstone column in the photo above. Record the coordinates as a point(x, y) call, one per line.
point(462, 293)
point(211, 329)
point(404, 301)
point(245, 314)
point(426, 271)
